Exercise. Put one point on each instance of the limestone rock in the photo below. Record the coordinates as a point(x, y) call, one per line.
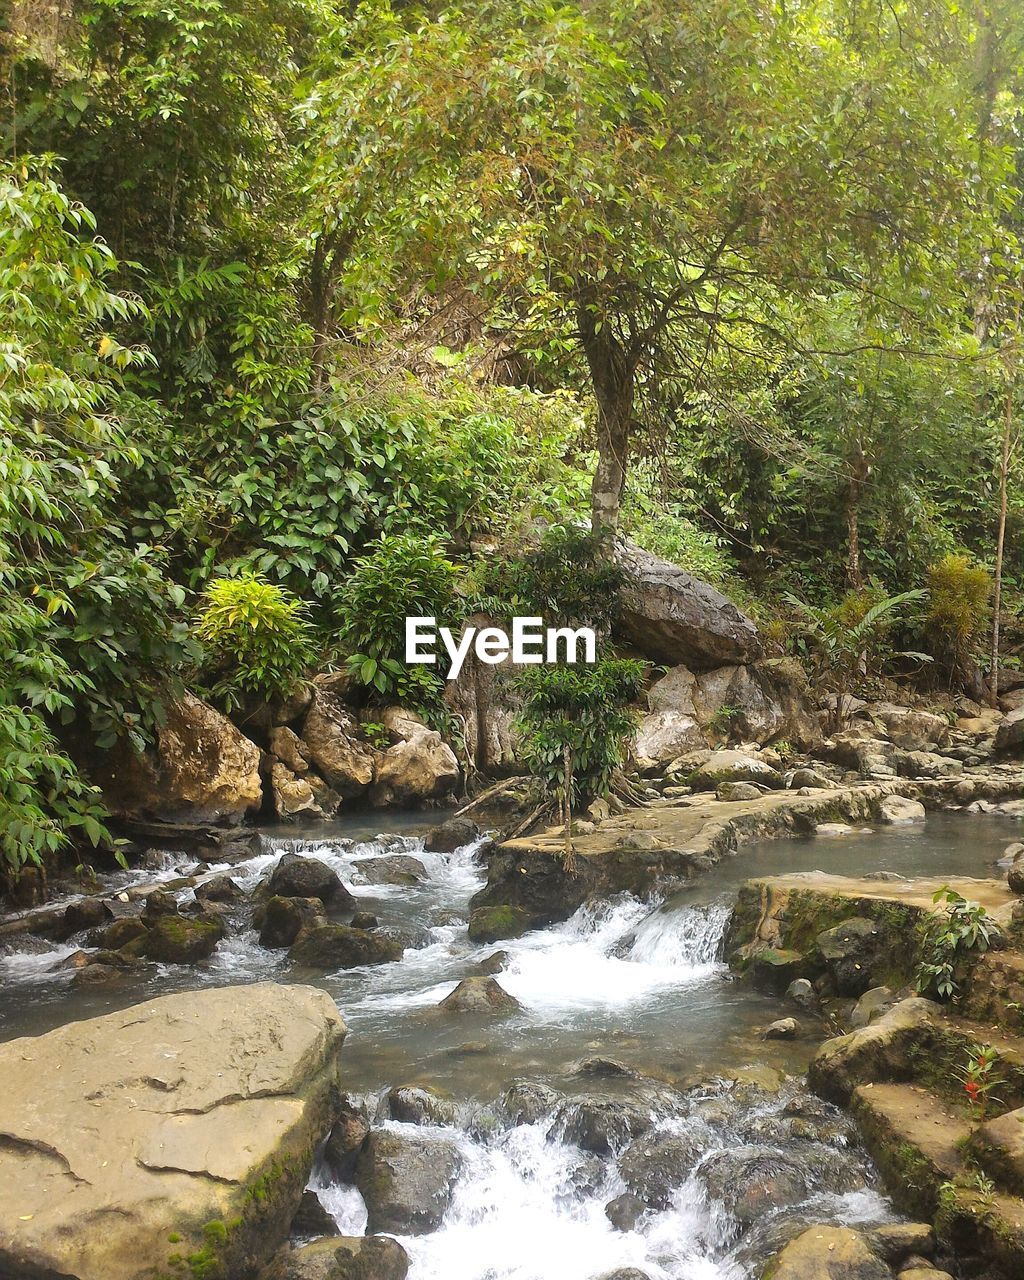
point(415, 1104)
point(828, 1253)
point(673, 617)
point(299, 877)
point(927, 764)
point(909, 727)
point(736, 766)
point(331, 738)
point(454, 833)
point(998, 1146)
point(654, 1166)
point(421, 767)
point(393, 868)
point(288, 747)
point(169, 1116)
point(663, 736)
point(292, 796)
point(346, 1140)
point(406, 1180)
point(871, 1005)
point(281, 919)
point(899, 811)
point(897, 1241)
point(1010, 734)
point(733, 791)
point(480, 995)
point(342, 1258)
point(878, 1051)
point(201, 770)
point(782, 1029)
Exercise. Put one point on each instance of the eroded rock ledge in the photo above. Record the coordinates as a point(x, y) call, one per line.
point(172, 1138)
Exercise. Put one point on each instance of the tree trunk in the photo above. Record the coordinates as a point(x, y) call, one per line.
point(1005, 454)
point(612, 374)
point(854, 494)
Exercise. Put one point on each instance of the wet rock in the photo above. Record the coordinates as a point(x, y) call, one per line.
point(86, 913)
point(299, 877)
point(1015, 878)
point(879, 1051)
point(312, 1219)
point(159, 903)
point(342, 1258)
point(849, 951)
point(480, 995)
point(774, 969)
point(98, 975)
point(346, 1140)
point(834, 829)
point(331, 737)
point(624, 1211)
point(752, 1181)
point(281, 920)
point(782, 1029)
point(417, 1104)
point(898, 811)
point(527, 1102)
point(654, 1166)
point(625, 1273)
point(289, 749)
point(219, 889)
point(395, 868)
point(494, 963)
point(602, 1125)
point(897, 1241)
point(454, 833)
point(494, 924)
point(337, 946)
point(406, 1180)
point(423, 767)
point(230, 1089)
point(871, 1005)
point(601, 1068)
point(174, 939)
point(364, 920)
point(673, 617)
point(802, 993)
point(735, 766)
point(828, 1253)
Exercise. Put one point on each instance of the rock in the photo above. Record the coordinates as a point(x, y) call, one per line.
point(312, 1219)
point(654, 1166)
point(801, 992)
point(342, 1258)
point(783, 1029)
point(908, 727)
point(118, 933)
point(159, 903)
point(731, 791)
point(220, 888)
point(406, 1180)
point(811, 778)
point(480, 995)
point(896, 1241)
point(662, 736)
point(337, 946)
point(735, 766)
point(625, 1273)
point(998, 1146)
point(872, 757)
point(85, 913)
point(299, 877)
point(878, 1051)
point(1010, 734)
point(850, 950)
point(602, 1125)
point(752, 1181)
point(423, 767)
point(871, 1005)
point(328, 802)
point(292, 796)
point(527, 1102)
point(289, 748)
point(927, 764)
point(364, 920)
point(201, 770)
point(346, 1140)
point(898, 811)
point(394, 868)
point(454, 833)
point(624, 1211)
point(416, 1104)
point(183, 1126)
point(182, 939)
point(494, 963)
point(673, 617)
point(330, 735)
point(828, 1253)
point(492, 924)
point(1012, 853)
point(834, 829)
point(1015, 879)
point(283, 919)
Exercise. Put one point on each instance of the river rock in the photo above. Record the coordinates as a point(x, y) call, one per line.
point(828, 1253)
point(287, 747)
point(896, 1241)
point(871, 1005)
point(602, 1125)
point(849, 951)
point(735, 766)
point(1010, 734)
point(406, 1180)
point(528, 1101)
point(200, 770)
point(493, 924)
point(419, 1104)
point(312, 1219)
point(337, 946)
point(346, 1140)
point(169, 1117)
point(654, 1166)
point(480, 995)
point(454, 833)
point(899, 811)
point(625, 1273)
point(673, 617)
point(342, 1258)
point(624, 1211)
point(331, 737)
point(220, 888)
point(394, 868)
point(85, 913)
point(753, 1181)
point(422, 767)
point(299, 877)
point(733, 791)
point(782, 1029)
point(281, 920)
point(117, 934)
point(174, 939)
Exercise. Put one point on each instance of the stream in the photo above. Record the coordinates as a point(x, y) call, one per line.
point(631, 1025)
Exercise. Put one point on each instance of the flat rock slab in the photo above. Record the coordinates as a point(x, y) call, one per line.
point(175, 1134)
point(993, 895)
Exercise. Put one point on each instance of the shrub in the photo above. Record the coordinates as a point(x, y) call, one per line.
point(948, 938)
point(257, 639)
point(958, 610)
point(406, 575)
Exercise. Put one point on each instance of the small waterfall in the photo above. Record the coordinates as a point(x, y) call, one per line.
point(690, 937)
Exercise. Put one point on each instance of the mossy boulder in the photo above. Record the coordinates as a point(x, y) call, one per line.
point(342, 1258)
point(337, 946)
point(281, 920)
point(481, 995)
point(174, 939)
point(492, 924)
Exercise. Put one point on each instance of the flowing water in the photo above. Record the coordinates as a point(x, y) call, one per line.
point(626, 1003)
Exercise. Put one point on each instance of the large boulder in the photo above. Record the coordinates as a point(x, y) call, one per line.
point(330, 735)
point(200, 770)
point(883, 1050)
point(481, 995)
point(338, 946)
point(673, 617)
point(299, 877)
point(292, 796)
point(909, 727)
point(184, 1127)
point(419, 768)
point(406, 1180)
point(828, 1253)
point(175, 939)
point(736, 766)
point(1010, 734)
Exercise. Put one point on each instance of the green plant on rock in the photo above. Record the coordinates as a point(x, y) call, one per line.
point(979, 1079)
point(965, 928)
point(958, 611)
point(575, 723)
point(847, 640)
point(257, 638)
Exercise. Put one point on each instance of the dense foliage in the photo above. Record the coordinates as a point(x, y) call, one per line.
point(334, 306)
